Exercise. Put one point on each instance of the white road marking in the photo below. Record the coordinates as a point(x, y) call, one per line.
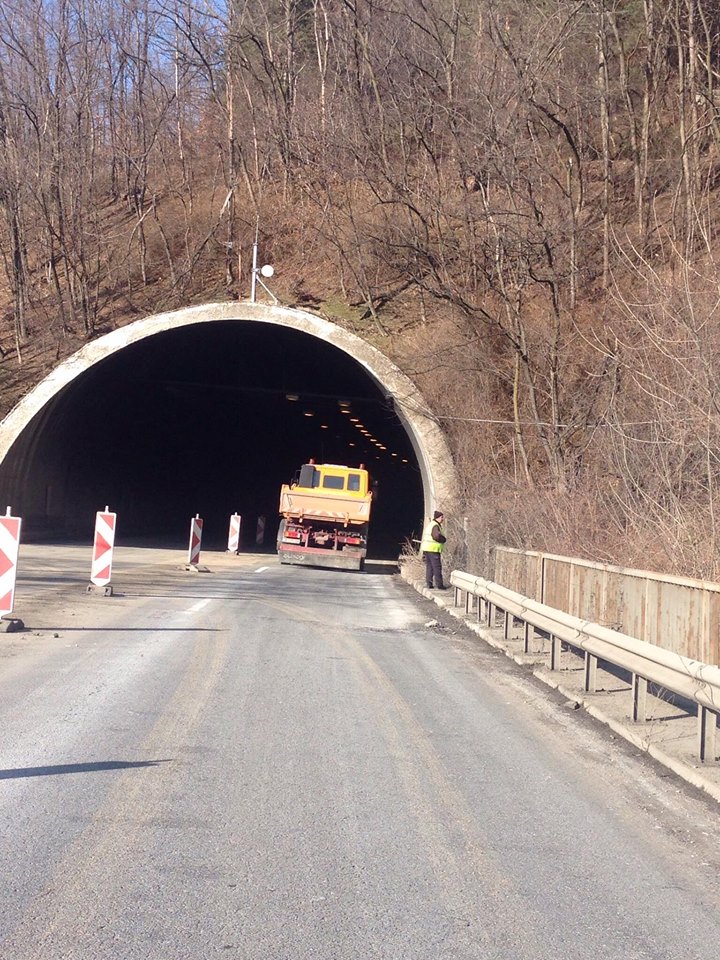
point(199, 605)
point(260, 569)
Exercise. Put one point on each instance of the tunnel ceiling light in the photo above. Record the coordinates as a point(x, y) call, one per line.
point(343, 403)
point(354, 420)
point(345, 411)
point(324, 426)
point(351, 444)
point(309, 413)
point(404, 460)
point(291, 396)
point(393, 454)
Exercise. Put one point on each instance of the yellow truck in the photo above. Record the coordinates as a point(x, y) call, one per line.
point(324, 517)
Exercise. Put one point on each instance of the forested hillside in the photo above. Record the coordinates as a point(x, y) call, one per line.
point(515, 199)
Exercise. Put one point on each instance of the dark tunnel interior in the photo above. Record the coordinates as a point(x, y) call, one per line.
point(211, 419)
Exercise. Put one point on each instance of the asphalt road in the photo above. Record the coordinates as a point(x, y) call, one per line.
point(270, 762)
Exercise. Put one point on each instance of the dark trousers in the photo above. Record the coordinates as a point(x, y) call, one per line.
point(433, 568)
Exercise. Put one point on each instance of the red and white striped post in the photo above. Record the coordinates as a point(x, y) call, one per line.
point(102, 558)
point(9, 544)
point(260, 532)
point(196, 526)
point(234, 533)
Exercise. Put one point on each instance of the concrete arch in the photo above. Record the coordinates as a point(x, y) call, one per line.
point(434, 459)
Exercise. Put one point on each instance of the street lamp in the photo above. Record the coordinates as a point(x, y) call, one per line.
point(266, 271)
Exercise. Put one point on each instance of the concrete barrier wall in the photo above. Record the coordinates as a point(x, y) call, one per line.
point(676, 613)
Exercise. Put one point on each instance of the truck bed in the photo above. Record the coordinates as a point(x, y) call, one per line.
point(300, 503)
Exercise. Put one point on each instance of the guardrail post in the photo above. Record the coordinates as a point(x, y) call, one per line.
point(591, 663)
point(490, 614)
point(528, 634)
point(555, 650)
point(707, 725)
point(639, 696)
point(468, 602)
point(507, 623)
point(456, 601)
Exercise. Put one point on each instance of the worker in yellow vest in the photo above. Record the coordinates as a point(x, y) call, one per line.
point(431, 547)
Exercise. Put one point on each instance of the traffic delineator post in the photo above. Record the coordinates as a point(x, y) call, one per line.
point(9, 545)
point(193, 560)
point(196, 526)
point(260, 532)
point(234, 533)
point(103, 544)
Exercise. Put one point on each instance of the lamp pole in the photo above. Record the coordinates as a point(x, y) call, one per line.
point(259, 273)
point(253, 282)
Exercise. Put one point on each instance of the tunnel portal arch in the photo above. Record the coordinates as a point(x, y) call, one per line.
point(426, 437)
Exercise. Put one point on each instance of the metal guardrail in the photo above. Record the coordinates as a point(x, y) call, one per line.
point(647, 663)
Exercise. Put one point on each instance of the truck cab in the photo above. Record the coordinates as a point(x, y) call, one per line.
point(333, 480)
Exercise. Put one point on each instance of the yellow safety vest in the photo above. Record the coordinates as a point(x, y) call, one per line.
point(427, 544)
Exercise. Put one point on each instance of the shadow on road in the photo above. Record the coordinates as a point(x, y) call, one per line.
point(98, 767)
point(41, 630)
point(383, 567)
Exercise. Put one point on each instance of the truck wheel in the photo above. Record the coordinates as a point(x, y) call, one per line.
point(280, 533)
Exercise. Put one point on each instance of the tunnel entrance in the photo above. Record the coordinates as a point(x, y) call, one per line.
point(210, 418)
